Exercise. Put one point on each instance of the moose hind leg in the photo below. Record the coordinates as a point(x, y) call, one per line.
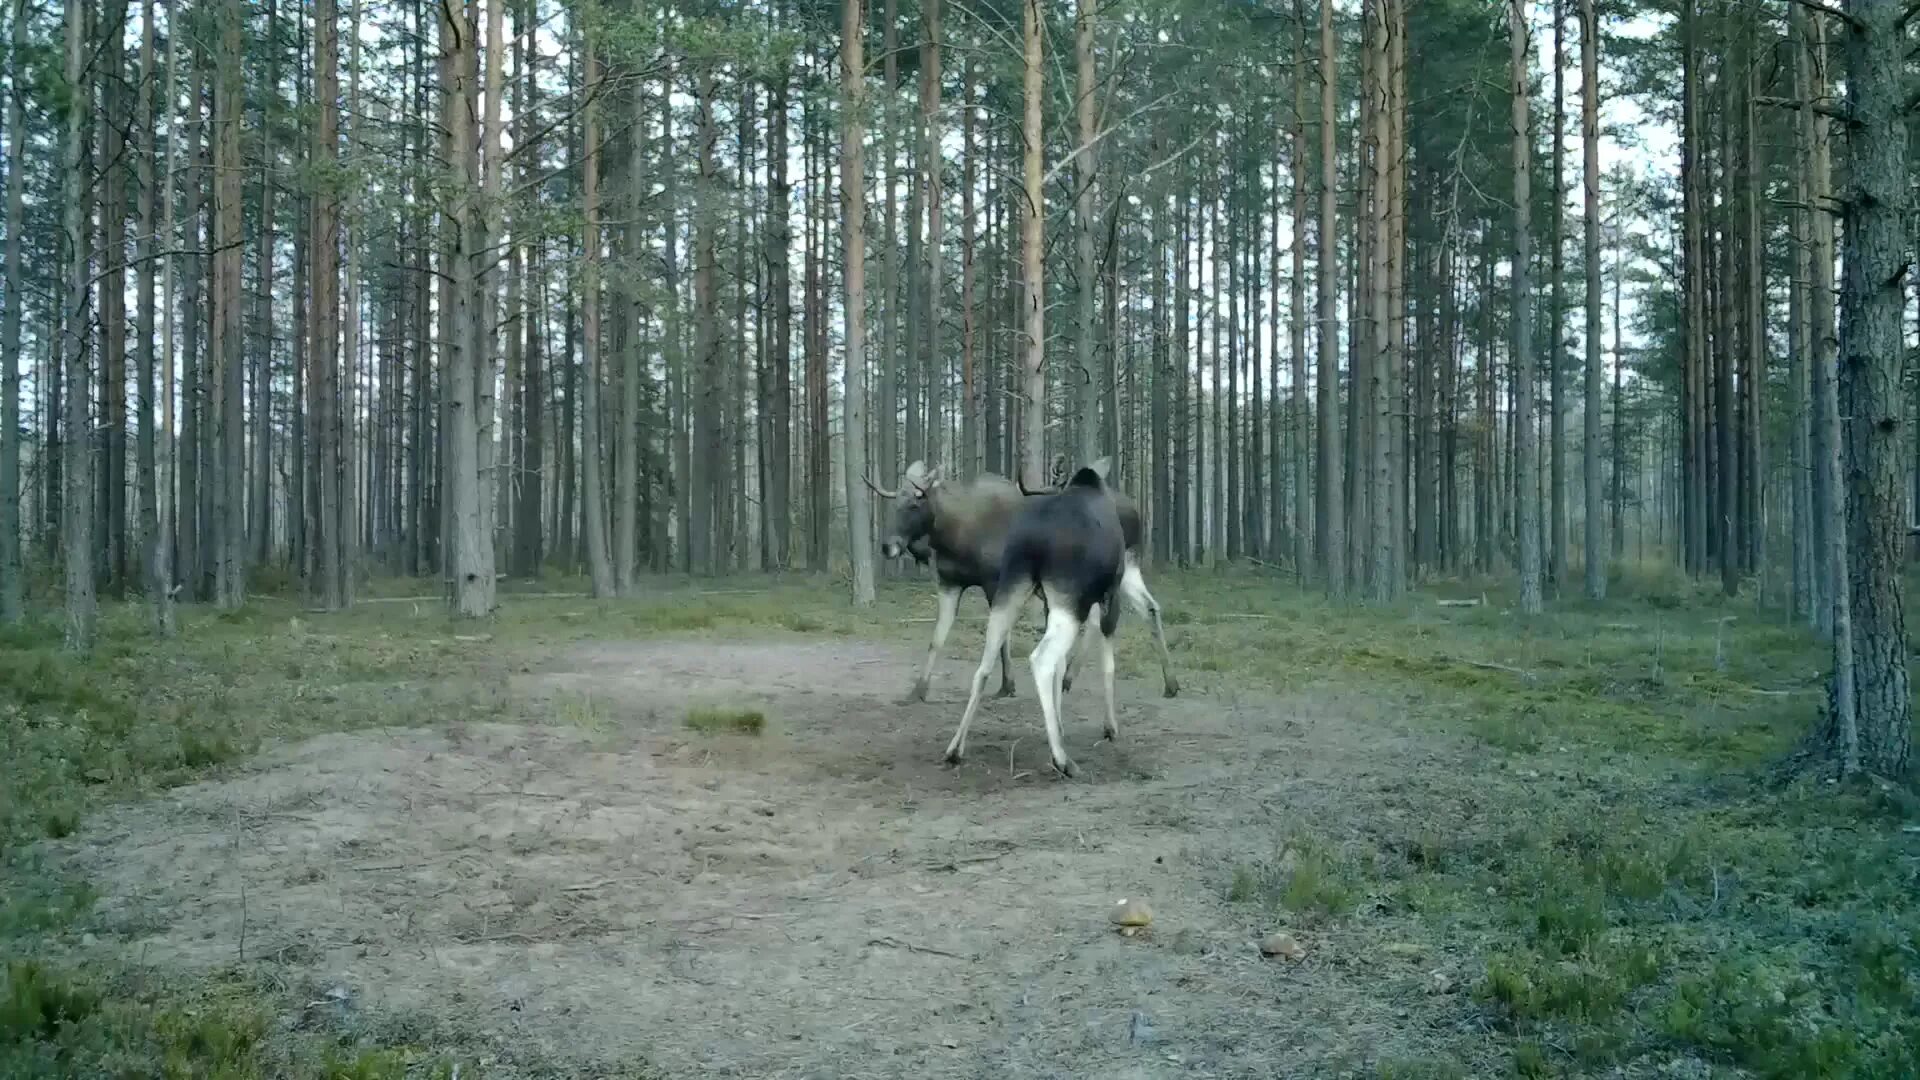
point(1049, 660)
point(1135, 587)
point(1075, 655)
point(999, 621)
point(1108, 623)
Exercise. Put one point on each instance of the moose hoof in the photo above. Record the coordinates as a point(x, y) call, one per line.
point(1110, 733)
point(1173, 687)
point(1066, 684)
point(953, 756)
point(1006, 690)
point(918, 693)
point(1066, 767)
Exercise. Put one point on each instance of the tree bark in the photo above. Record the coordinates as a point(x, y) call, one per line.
point(593, 494)
point(163, 570)
point(76, 503)
point(227, 346)
point(1330, 536)
point(1298, 410)
point(1596, 571)
point(890, 372)
point(259, 500)
point(1524, 453)
point(1379, 361)
point(12, 562)
point(1806, 590)
point(1085, 174)
point(706, 477)
point(1556, 568)
point(1875, 261)
point(853, 231)
point(777, 403)
point(970, 456)
point(324, 283)
point(933, 375)
point(108, 65)
point(1033, 363)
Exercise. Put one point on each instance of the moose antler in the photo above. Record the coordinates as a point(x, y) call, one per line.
point(878, 490)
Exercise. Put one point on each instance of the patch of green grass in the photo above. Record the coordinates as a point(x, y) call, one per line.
point(716, 720)
point(64, 1024)
point(1305, 879)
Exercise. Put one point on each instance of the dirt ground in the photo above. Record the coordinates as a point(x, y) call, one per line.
point(600, 885)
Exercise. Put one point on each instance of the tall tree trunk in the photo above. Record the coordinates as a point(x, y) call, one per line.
point(148, 521)
point(1329, 533)
point(76, 503)
point(346, 456)
point(1875, 260)
point(227, 346)
point(1396, 321)
point(488, 150)
point(819, 457)
point(853, 230)
point(324, 283)
point(931, 161)
point(1085, 175)
point(12, 561)
point(890, 372)
point(259, 505)
point(970, 457)
point(1753, 303)
point(1297, 319)
point(1556, 318)
point(1525, 462)
point(1033, 363)
point(626, 435)
point(163, 572)
point(1378, 359)
point(707, 476)
point(1596, 571)
point(192, 391)
point(530, 465)
point(1806, 590)
point(108, 66)
point(1694, 383)
point(593, 494)
point(777, 402)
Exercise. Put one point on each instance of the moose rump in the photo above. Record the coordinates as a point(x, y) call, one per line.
point(1068, 547)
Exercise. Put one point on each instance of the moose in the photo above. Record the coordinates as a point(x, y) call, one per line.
point(1070, 548)
point(960, 527)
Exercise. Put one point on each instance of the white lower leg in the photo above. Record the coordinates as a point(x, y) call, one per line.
point(949, 606)
point(999, 621)
point(1106, 677)
point(1135, 588)
point(1079, 650)
point(1048, 665)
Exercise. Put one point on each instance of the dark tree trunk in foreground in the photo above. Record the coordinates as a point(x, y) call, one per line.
point(1875, 262)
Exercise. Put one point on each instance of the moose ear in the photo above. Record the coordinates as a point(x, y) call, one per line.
point(1104, 467)
point(917, 476)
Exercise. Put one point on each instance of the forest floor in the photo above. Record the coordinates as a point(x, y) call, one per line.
point(697, 832)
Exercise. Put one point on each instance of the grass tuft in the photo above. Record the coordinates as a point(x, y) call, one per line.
point(715, 720)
